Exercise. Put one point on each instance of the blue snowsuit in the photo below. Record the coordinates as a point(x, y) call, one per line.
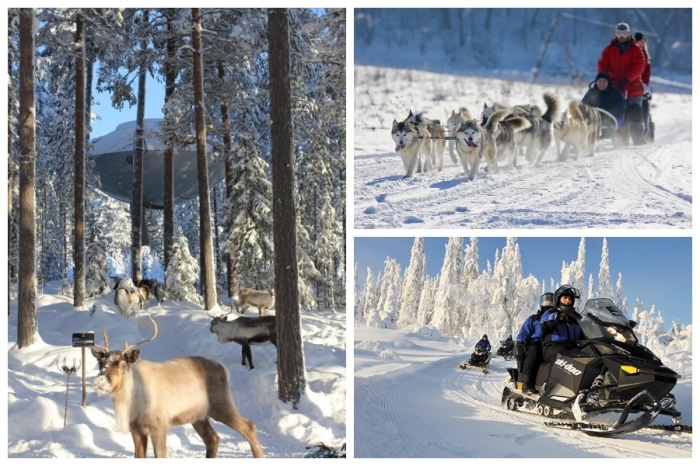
point(530, 335)
point(559, 334)
point(483, 344)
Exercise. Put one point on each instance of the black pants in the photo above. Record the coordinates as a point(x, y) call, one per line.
point(531, 362)
point(550, 351)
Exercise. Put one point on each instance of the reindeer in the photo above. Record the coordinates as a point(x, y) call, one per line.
point(127, 296)
point(150, 397)
point(245, 331)
point(263, 300)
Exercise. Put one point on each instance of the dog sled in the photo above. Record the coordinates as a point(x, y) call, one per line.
point(615, 130)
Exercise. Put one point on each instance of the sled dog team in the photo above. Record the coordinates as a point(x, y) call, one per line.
point(500, 134)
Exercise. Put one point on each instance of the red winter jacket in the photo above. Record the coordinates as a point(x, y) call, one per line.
point(624, 61)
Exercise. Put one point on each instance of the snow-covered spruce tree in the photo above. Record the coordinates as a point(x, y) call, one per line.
point(319, 117)
point(449, 296)
point(356, 291)
point(368, 299)
point(425, 306)
point(620, 301)
point(605, 289)
point(507, 275)
point(414, 280)
point(308, 274)
point(182, 273)
point(471, 262)
point(574, 274)
point(96, 269)
point(249, 217)
point(389, 293)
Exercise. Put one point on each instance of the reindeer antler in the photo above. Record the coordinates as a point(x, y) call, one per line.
point(128, 347)
point(105, 348)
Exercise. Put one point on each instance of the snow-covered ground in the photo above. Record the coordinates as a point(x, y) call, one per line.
point(37, 388)
point(628, 188)
point(412, 401)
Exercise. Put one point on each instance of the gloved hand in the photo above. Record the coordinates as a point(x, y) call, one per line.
point(548, 325)
point(622, 83)
point(519, 351)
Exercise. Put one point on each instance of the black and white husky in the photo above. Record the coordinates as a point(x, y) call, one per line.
point(454, 121)
point(416, 136)
point(473, 143)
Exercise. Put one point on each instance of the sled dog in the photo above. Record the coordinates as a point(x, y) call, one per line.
point(570, 129)
point(454, 121)
point(538, 138)
point(416, 136)
point(594, 126)
point(472, 144)
point(504, 126)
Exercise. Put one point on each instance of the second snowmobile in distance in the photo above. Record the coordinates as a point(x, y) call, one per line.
point(609, 385)
point(506, 349)
point(481, 357)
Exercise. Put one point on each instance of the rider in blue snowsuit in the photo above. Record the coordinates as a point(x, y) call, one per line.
point(528, 345)
point(486, 345)
point(560, 328)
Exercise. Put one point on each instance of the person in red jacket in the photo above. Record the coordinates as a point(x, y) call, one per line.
point(646, 78)
point(624, 63)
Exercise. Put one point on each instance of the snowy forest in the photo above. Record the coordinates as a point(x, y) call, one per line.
point(519, 43)
point(113, 50)
point(464, 302)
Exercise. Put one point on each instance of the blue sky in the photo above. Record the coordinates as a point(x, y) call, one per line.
point(110, 118)
point(655, 270)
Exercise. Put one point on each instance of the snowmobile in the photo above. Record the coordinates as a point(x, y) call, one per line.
point(324, 451)
point(506, 349)
point(607, 386)
point(481, 357)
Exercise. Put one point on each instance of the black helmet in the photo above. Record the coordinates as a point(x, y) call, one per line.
point(547, 300)
point(565, 290)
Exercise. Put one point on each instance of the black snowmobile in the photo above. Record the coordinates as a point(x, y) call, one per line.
point(481, 357)
point(506, 349)
point(607, 386)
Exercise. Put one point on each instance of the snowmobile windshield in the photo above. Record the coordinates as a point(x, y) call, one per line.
point(604, 320)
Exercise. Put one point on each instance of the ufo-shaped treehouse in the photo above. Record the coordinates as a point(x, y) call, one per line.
point(113, 156)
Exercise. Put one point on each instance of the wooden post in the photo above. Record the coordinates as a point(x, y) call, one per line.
point(83, 366)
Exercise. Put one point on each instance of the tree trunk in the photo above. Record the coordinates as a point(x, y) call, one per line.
point(226, 122)
point(205, 236)
point(79, 187)
point(290, 356)
point(137, 195)
point(168, 165)
point(26, 322)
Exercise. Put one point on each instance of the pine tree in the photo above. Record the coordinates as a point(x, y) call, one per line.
point(182, 273)
point(448, 294)
point(605, 289)
point(96, 271)
point(368, 299)
point(390, 290)
point(413, 283)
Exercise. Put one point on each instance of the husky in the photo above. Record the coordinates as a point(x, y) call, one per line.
point(408, 144)
point(473, 143)
point(593, 124)
point(433, 141)
point(418, 135)
point(570, 129)
point(504, 126)
point(454, 121)
point(537, 139)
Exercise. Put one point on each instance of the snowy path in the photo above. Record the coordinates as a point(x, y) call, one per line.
point(630, 187)
point(436, 410)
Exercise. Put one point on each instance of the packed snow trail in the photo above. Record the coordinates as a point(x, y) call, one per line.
point(419, 403)
point(630, 187)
